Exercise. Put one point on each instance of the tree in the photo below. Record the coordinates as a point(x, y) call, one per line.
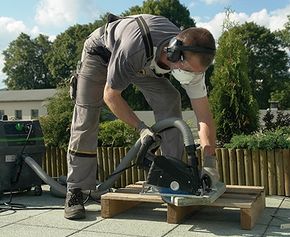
point(24, 63)
point(282, 96)
point(268, 62)
point(171, 9)
point(284, 34)
point(66, 51)
point(234, 108)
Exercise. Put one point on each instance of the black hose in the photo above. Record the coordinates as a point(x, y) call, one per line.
point(159, 126)
point(44, 176)
point(178, 123)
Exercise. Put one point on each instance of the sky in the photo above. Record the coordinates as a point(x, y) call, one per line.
point(52, 17)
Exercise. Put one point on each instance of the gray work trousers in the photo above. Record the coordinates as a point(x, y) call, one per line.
point(163, 98)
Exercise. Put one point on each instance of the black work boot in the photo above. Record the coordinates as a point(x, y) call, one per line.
point(74, 205)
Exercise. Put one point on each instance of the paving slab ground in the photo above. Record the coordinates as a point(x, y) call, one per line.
point(43, 216)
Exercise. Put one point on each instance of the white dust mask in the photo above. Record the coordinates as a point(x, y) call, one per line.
point(185, 77)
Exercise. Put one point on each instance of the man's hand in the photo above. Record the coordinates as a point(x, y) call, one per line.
point(150, 142)
point(146, 132)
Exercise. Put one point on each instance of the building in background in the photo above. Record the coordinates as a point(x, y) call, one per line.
point(24, 104)
point(30, 104)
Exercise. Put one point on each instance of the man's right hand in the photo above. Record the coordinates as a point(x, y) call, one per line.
point(146, 132)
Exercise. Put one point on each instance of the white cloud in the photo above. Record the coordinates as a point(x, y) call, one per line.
point(274, 20)
point(261, 18)
point(61, 12)
point(56, 11)
point(9, 29)
point(214, 25)
point(11, 25)
point(279, 18)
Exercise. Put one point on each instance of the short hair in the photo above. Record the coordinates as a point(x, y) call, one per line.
point(197, 36)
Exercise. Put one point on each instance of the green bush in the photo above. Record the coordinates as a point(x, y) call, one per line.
point(267, 140)
point(56, 124)
point(116, 134)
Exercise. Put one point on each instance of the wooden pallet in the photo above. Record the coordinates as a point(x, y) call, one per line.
point(249, 199)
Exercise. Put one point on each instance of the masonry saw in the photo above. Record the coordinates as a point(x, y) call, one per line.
point(177, 182)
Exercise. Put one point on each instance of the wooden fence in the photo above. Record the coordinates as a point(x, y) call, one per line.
point(270, 169)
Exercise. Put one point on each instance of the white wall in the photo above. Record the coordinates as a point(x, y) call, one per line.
point(26, 107)
point(188, 117)
point(148, 116)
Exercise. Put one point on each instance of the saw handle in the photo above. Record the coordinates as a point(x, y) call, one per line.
point(146, 153)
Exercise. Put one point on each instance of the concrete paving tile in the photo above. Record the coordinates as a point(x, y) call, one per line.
point(273, 201)
point(132, 227)
point(284, 212)
point(145, 220)
point(146, 211)
point(267, 215)
point(286, 203)
point(277, 231)
point(55, 219)
point(44, 202)
point(216, 214)
point(230, 215)
point(30, 200)
point(203, 228)
point(33, 231)
point(282, 216)
point(13, 216)
point(3, 224)
point(99, 234)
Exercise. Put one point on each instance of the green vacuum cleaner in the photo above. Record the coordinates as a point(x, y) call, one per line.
point(20, 138)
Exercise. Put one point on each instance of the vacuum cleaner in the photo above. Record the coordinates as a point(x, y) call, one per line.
point(176, 182)
point(18, 138)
